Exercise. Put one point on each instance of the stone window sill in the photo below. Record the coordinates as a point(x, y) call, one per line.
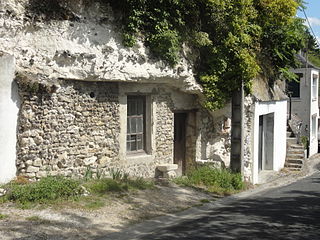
point(139, 157)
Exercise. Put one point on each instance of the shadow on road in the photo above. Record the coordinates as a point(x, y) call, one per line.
point(293, 213)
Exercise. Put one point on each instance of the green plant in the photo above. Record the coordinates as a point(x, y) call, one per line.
point(213, 179)
point(99, 173)
point(88, 174)
point(105, 185)
point(3, 216)
point(232, 41)
point(47, 189)
point(305, 141)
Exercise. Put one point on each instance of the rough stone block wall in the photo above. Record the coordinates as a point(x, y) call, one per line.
point(165, 128)
point(215, 135)
point(67, 131)
point(248, 138)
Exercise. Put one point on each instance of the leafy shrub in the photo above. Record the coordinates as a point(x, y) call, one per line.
point(47, 189)
point(213, 179)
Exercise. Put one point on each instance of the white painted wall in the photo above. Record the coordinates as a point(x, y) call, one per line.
point(279, 108)
point(306, 106)
point(9, 102)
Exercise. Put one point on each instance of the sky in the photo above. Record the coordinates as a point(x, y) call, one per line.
point(313, 14)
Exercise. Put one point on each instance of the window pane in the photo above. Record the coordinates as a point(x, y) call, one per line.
point(140, 124)
point(130, 107)
point(133, 125)
point(140, 107)
point(128, 125)
point(133, 146)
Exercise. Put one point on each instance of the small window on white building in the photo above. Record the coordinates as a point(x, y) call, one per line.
point(314, 86)
point(136, 123)
point(314, 125)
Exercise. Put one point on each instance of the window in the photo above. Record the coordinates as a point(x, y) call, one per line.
point(136, 123)
point(293, 87)
point(314, 86)
point(314, 125)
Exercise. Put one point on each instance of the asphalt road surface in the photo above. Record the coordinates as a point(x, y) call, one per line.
point(289, 212)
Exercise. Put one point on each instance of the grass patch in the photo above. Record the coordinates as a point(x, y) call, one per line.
point(57, 190)
point(3, 216)
point(105, 185)
point(221, 181)
point(44, 191)
point(204, 200)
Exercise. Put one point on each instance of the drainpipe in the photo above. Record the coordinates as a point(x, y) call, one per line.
point(290, 104)
point(237, 136)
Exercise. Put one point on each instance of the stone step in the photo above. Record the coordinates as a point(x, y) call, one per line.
point(295, 156)
point(291, 140)
point(295, 151)
point(291, 165)
point(294, 161)
point(296, 146)
point(289, 134)
point(288, 159)
point(292, 169)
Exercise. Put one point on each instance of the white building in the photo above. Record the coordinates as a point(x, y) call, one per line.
point(304, 103)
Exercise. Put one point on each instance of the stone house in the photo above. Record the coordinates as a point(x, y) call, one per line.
point(73, 98)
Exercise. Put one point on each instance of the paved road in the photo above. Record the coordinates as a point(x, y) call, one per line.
point(289, 212)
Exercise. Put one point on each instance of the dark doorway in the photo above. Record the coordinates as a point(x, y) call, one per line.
point(180, 120)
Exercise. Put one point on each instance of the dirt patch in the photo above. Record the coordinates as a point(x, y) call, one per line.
point(69, 222)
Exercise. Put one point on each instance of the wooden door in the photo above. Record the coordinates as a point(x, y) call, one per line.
point(180, 141)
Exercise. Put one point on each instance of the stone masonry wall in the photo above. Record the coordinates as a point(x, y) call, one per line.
point(67, 131)
point(248, 138)
point(165, 128)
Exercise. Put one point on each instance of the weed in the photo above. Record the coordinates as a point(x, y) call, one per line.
point(88, 174)
point(3, 216)
point(205, 200)
point(47, 189)
point(37, 219)
point(221, 181)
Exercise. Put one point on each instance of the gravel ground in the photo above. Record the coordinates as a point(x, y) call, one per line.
point(69, 222)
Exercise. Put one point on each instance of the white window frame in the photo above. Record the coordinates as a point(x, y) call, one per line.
point(314, 126)
point(314, 86)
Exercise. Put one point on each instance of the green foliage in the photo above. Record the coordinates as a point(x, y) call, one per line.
point(103, 186)
point(3, 216)
point(47, 189)
point(106, 185)
point(215, 180)
point(305, 141)
point(232, 38)
point(315, 59)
